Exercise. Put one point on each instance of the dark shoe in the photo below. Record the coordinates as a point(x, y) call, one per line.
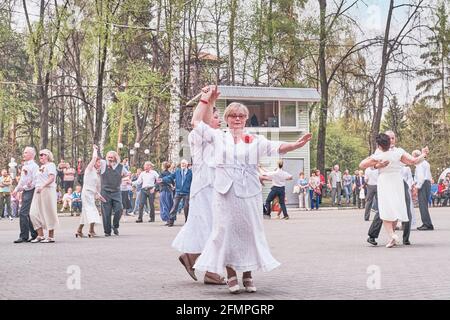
point(372, 241)
point(285, 218)
point(151, 220)
point(424, 228)
point(187, 265)
point(167, 223)
point(170, 224)
point(116, 231)
point(139, 221)
point(107, 234)
point(20, 240)
point(406, 243)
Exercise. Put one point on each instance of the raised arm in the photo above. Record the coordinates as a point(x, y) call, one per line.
point(204, 110)
point(91, 164)
point(410, 160)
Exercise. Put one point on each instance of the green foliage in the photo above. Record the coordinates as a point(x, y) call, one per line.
point(343, 146)
point(425, 128)
point(394, 119)
point(435, 85)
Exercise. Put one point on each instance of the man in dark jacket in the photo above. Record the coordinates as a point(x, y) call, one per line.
point(182, 178)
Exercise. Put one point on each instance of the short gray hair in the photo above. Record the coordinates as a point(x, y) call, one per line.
point(33, 150)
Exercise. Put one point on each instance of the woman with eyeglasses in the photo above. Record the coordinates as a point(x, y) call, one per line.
point(237, 242)
point(43, 212)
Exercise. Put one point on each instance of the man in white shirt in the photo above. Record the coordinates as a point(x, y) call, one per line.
point(279, 178)
point(422, 179)
point(371, 177)
point(148, 179)
point(26, 186)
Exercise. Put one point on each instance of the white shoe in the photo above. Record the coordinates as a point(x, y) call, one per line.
point(233, 289)
point(396, 239)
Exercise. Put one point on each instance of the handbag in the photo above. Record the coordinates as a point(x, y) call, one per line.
point(296, 189)
point(362, 194)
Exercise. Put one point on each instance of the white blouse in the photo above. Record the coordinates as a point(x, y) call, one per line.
point(237, 163)
point(44, 173)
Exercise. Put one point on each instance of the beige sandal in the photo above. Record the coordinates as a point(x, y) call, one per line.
point(233, 288)
point(214, 278)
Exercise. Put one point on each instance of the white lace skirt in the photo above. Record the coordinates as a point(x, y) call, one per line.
point(89, 211)
point(196, 231)
point(237, 239)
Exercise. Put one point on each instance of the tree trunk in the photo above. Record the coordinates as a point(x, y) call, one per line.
point(175, 90)
point(231, 29)
point(376, 122)
point(323, 114)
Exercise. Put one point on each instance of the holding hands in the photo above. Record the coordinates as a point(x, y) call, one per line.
point(209, 95)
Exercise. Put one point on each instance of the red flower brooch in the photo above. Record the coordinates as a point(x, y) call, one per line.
point(248, 138)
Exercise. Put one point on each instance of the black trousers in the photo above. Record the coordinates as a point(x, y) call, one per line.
point(144, 195)
point(176, 203)
point(112, 205)
point(423, 196)
point(280, 192)
point(26, 227)
point(377, 223)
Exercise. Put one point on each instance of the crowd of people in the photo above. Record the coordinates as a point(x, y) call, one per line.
point(357, 190)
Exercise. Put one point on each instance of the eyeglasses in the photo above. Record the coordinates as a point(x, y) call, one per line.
point(234, 116)
point(42, 154)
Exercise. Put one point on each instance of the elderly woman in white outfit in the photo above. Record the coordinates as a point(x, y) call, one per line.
point(43, 212)
point(91, 191)
point(390, 189)
point(237, 241)
point(192, 237)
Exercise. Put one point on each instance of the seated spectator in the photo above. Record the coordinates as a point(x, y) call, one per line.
point(76, 200)
point(67, 200)
point(433, 193)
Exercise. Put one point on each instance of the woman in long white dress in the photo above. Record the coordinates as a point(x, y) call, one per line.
point(193, 235)
point(390, 189)
point(237, 241)
point(91, 192)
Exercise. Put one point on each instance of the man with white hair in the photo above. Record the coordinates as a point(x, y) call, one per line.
point(335, 184)
point(147, 179)
point(111, 173)
point(422, 179)
point(183, 178)
point(26, 186)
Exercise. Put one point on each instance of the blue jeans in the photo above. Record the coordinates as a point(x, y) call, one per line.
point(314, 199)
point(348, 192)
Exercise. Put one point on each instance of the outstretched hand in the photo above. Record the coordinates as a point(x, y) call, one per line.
point(210, 94)
point(304, 139)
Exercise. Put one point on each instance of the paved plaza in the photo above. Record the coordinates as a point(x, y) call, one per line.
point(323, 255)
